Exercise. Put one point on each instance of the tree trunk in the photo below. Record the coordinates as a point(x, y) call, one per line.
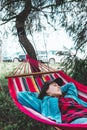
point(0, 53)
point(20, 23)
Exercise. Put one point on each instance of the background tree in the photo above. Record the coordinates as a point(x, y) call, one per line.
point(28, 17)
point(32, 15)
point(74, 66)
point(75, 22)
point(0, 50)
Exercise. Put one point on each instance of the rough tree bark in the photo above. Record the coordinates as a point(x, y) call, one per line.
point(20, 25)
point(0, 53)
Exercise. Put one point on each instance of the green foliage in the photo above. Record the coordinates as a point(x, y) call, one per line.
point(10, 116)
point(80, 71)
point(43, 14)
point(74, 66)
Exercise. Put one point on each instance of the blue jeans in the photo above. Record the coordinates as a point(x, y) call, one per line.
point(80, 121)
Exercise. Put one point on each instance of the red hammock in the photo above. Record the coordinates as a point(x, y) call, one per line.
point(22, 79)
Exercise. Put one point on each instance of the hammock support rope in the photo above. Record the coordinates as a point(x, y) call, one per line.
point(28, 81)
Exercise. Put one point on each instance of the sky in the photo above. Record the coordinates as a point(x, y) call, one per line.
point(48, 40)
point(54, 40)
point(45, 41)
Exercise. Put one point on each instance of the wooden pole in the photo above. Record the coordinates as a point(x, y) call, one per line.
point(31, 74)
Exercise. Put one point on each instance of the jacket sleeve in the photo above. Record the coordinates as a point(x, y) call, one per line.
point(30, 100)
point(69, 89)
point(50, 109)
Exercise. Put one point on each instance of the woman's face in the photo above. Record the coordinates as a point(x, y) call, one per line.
point(54, 90)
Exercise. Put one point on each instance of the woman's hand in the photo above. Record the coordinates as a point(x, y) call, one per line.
point(58, 128)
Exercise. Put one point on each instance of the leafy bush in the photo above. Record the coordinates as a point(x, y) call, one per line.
point(80, 71)
point(11, 118)
point(74, 66)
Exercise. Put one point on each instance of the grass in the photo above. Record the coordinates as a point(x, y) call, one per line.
point(6, 68)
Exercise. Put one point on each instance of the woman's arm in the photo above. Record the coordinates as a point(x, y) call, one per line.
point(69, 89)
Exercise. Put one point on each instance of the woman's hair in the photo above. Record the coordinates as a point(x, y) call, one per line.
point(43, 90)
point(45, 87)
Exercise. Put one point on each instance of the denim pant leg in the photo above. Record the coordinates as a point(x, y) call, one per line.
point(80, 121)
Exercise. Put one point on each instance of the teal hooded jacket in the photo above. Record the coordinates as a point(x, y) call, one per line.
point(48, 106)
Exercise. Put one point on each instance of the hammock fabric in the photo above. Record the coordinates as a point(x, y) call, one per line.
point(20, 80)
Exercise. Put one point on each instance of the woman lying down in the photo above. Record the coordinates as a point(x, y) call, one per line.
point(61, 103)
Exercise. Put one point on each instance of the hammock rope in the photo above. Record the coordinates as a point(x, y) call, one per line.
point(23, 79)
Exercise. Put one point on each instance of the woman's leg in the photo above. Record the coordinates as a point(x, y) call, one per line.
point(80, 121)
